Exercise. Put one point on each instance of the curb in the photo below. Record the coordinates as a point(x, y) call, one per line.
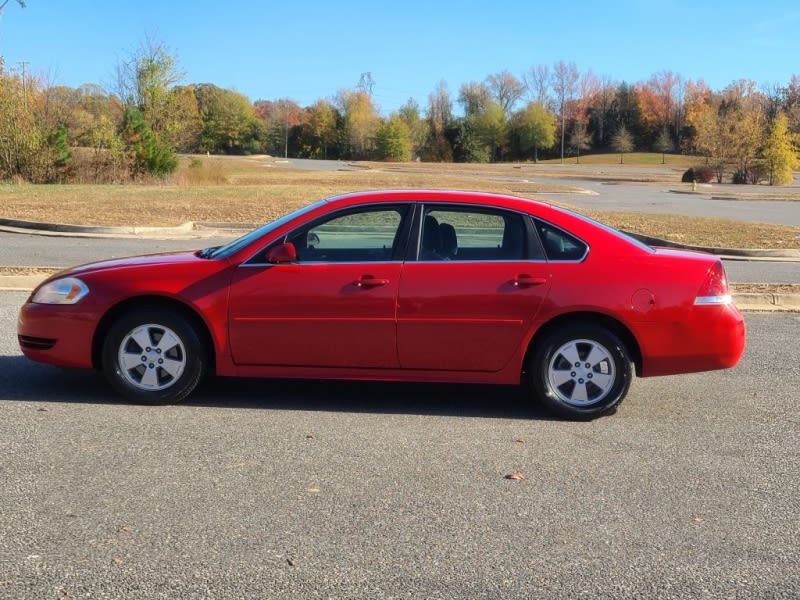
point(743, 301)
point(188, 230)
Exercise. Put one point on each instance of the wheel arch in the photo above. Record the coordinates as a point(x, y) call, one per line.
point(617, 327)
point(151, 301)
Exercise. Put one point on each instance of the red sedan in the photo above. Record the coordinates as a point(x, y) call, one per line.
point(398, 285)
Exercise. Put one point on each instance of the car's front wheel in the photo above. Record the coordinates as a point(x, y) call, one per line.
point(153, 356)
point(580, 371)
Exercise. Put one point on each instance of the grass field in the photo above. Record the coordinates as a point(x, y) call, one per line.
point(258, 189)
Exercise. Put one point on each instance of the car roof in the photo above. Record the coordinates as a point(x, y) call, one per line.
point(444, 196)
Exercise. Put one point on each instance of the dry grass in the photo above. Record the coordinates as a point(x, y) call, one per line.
point(257, 189)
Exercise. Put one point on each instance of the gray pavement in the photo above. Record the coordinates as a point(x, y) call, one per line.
point(264, 489)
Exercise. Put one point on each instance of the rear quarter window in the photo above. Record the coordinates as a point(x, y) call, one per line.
point(558, 244)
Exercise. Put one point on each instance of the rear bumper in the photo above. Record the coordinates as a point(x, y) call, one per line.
point(712, 338)
point(57, 335)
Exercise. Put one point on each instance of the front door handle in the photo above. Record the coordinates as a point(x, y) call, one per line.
point(524, 280)
point(368, 281)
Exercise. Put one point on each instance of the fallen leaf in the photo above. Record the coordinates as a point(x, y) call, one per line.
point(292, 562)
point(517, 475)
point(310, 436)
point(698, 519)
point(43, 409)
point(124, 529)
point(520, 440)
point(118, 561)
point(313, 490)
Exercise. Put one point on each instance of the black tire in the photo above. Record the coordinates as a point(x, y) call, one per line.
point(154, 356)
point(580, 371)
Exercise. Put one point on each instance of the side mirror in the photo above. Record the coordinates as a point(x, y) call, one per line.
point(282, 253)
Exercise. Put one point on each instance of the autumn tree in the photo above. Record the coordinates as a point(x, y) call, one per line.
point(536, 127)
point(579, 139)
point(622, 142)
point(321, 118)
point(440, 119)
point(505, 89)
point(361, 122)
point(664, 144)
point(418, 128)
point(779, 152)
point(228, 121)
point(537, 85)
point(564, 81)
point(144, 80)
point(21, 140)
point(712, 138)
point(393, 140)
point(600, 111)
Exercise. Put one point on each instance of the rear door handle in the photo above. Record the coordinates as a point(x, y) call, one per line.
point(368, 281)
point(524, 280)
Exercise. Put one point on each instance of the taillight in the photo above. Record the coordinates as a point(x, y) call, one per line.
point(715, 288)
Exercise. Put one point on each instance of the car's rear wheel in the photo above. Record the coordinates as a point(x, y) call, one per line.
point(153, 356)
point(580, 371)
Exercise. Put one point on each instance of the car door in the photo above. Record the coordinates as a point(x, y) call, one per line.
point(468, 300)
point(332, 307)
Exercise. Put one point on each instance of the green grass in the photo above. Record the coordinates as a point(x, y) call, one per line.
point(631, 159)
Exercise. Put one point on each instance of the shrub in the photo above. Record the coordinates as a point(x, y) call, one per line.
point(739, 177)
point(702, 174)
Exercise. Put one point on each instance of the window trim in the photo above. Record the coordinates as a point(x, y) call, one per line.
point(415, 246)
point(398, 253)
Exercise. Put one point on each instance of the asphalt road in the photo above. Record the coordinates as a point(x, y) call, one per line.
point(261, 489)
point(42, 251)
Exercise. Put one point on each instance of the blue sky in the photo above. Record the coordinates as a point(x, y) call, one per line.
point(310, 50)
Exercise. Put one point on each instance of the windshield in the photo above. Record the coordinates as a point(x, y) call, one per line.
point(236, 245)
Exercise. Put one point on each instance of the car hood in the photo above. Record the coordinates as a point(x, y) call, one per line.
point(150, 260)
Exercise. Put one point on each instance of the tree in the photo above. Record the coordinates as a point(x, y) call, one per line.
point(149, 155)
point(564, 81)
point(537, 84)
point(490, 126)
point(505, 89)
point(536, 127)
point(228, 120)
point(579, 139)
point(393, 140)
point(779, 152)
point(474, 97)
point(322, 124)
point(712, 138)
point(440, 118)
point(664, 144)
point(622, 142)
point(144, 80)
point(417, 126)
point(361, 122)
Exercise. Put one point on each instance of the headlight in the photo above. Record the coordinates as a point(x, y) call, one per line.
point(68, 290)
